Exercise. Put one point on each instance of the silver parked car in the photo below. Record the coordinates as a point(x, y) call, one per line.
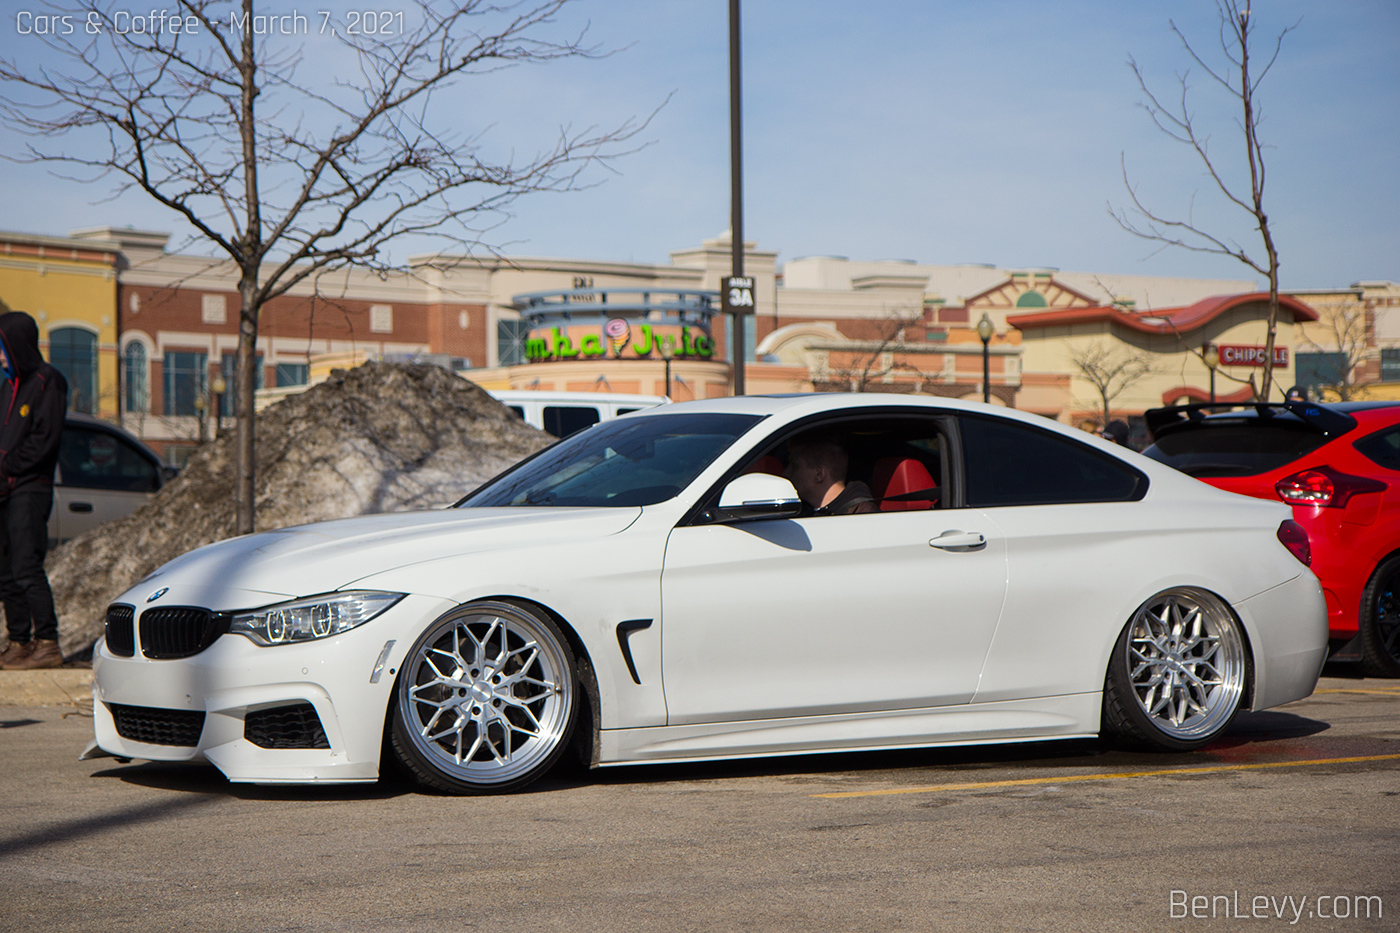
point(104, 473)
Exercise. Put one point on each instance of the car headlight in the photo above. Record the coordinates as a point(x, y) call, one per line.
point(311, 618)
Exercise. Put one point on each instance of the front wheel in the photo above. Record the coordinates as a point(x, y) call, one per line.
point(1178, 672)
point(486, 700)
point(1380, 621)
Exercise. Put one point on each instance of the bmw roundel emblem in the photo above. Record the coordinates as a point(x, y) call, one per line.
point(158, 594)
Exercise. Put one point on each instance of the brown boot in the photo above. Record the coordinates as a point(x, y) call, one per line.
point(15, 652)
point(44, 655)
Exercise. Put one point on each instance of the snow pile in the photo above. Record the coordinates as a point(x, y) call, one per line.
point(382, 437)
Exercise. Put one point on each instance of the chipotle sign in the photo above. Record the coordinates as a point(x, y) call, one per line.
point(1250, 356)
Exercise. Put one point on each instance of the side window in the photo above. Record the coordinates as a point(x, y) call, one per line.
point(563, 420)
point(1382, 448)
point(1015, 464)
point(92, 459)
point(880, 462)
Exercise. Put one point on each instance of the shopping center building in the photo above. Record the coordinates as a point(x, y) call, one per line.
point(149, 336)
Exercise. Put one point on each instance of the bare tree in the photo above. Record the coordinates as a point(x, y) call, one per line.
point(871, 361)
point(1342, 326)
point(1240, 78)
point(1110, 370)
point(286, 173)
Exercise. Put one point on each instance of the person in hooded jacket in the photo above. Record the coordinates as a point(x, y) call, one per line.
point(33, 399)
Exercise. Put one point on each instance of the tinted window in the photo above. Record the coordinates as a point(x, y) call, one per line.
point(1383, 448)
point(1014, 464)
point(93, 459)
point(1239, 448)
point(634, 461)
point(563, 420)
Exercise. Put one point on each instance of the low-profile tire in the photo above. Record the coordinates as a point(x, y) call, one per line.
point(1178, 672)
point(486, 700)
point(1380, 621)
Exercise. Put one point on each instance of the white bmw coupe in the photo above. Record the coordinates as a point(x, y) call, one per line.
point(655, 589)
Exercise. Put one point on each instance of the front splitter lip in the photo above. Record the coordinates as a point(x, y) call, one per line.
point(234, 677)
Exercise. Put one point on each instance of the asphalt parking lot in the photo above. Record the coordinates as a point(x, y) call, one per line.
point(1292, 820)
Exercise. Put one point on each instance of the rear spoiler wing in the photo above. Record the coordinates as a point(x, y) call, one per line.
point(1326, 421)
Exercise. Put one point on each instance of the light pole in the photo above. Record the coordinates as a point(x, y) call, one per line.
point(1210, 355)
point(736, 188)
point(985, 329)
point(668, 350)
point(219, 386)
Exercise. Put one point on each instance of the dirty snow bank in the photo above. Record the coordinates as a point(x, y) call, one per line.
point(379, 438)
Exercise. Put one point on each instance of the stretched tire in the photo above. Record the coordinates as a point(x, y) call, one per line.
point(1178, 672)
point(1380, 621)
point(486, 700)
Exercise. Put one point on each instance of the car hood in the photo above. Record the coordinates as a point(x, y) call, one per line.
point(256, 569)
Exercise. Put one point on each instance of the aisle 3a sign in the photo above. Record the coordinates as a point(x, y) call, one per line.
point(737, 294)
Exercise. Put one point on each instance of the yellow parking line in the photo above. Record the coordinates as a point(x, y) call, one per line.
point(1025, 782)
point(1391, 692)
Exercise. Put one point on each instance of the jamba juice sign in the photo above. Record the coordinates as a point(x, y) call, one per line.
point(626, 341)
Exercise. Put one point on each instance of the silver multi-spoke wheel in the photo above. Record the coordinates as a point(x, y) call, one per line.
point(485, 700)
point(1179, 671)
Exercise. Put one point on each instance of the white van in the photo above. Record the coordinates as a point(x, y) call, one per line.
point(563, 413)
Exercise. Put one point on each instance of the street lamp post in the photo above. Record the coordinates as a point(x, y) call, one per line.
point(1210, 354)
point(668, 350)
point(985, 329)
point(219, 386)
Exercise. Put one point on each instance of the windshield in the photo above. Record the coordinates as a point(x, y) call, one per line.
point(629, 461)
point(1238, 448)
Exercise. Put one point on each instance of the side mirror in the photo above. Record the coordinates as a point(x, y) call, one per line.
point(758, 495)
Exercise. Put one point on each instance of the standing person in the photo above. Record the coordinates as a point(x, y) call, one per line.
point(33, 398)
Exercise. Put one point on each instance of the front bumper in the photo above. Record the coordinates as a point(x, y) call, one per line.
point(235, 677)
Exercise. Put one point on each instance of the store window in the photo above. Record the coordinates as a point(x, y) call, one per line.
point(1390, 365)
point(137, 391)
point(291, 374)
point(1317, 371)
point(186, 379)
point(228, 368)
point(510, 341)
point(73, 352)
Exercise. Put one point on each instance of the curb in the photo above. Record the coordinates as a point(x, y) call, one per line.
point(53, 687)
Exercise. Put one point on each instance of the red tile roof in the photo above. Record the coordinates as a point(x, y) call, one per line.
point(1162, 320)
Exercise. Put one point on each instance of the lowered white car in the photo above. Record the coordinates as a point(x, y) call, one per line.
point(653, 589)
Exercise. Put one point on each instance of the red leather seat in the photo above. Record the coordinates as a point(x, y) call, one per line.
point(766, 464)
point(896, 476)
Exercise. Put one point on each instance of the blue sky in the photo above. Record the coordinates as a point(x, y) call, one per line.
point(935, 131)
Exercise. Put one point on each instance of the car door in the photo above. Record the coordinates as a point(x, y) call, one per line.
point(1078, 543)
point(101, 476)
point(827, 614)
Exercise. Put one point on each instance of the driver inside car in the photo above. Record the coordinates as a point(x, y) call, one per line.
point(817, 467)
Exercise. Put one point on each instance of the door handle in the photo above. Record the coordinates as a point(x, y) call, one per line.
point(959, 541)
point(80, 506)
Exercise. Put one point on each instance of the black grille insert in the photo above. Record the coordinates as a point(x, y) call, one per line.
point(158, 726)
point(295, 726)
point(121, 632)
point(179, 631)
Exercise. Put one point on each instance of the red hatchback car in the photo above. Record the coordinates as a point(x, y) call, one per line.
point(1338, 465)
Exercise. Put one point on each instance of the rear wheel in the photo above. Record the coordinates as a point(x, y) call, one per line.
point(1178, 672)
point(1380, 621)
point(486, 700)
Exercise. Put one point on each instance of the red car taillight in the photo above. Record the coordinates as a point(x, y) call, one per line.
point(1324, 486)
point(1295, 538)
